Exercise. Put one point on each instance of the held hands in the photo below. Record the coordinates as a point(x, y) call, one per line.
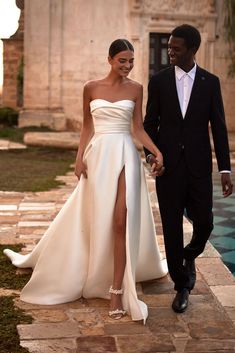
point(227, 186)
point(157, 168)
point(80, 168)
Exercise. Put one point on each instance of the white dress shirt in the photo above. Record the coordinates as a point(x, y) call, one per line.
point(184, 84)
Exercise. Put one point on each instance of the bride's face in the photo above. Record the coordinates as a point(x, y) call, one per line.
point(122, 63)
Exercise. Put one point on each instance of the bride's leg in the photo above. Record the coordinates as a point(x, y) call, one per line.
point(119, 230)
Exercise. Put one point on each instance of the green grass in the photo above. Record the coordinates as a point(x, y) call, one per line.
point(16, 134)
point(8, 277)
point(33, 169)
point(10, 316)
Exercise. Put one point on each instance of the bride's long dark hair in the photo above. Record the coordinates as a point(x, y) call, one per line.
point(119, 45)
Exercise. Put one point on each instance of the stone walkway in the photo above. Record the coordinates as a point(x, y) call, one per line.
point(208, 326)
point(84, 327)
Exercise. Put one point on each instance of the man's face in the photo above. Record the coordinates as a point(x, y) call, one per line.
point(178, 53)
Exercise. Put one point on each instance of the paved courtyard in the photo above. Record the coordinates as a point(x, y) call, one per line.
point(208, 326)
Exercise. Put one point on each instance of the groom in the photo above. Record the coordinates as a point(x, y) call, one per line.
point(183, 101)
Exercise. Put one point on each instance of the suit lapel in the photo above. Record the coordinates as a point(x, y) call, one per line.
point(173, 91)
point(196, 89)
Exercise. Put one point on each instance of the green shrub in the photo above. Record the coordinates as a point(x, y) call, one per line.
point(8, 116)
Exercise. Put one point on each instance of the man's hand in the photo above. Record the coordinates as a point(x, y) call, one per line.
point(157, 168)
point(227, 186)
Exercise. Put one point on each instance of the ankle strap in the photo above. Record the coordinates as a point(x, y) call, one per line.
point(115, 291)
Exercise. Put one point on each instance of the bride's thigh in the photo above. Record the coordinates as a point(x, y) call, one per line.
point(119, 218)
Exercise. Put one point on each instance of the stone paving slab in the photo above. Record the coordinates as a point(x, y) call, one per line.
point(7, 145)
point(83, 326)
point(68, 140)
point(48, 346)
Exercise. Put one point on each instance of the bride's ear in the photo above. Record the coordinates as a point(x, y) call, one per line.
point(109, 60)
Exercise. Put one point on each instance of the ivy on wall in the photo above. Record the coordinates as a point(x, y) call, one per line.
point(229, 25)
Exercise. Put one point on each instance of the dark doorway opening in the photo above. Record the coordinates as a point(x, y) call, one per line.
point(158, 56)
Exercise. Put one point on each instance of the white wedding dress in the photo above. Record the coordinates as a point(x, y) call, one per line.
point(74, 258)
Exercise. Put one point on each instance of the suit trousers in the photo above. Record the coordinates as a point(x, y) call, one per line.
point(179, 191)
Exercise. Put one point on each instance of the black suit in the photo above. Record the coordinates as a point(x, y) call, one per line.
point(185, 145)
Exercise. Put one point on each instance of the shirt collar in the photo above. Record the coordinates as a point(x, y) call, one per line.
point(181, 73)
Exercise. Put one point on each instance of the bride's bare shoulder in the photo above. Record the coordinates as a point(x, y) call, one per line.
point(93, 83)
point(134, 83)
point(135, 87)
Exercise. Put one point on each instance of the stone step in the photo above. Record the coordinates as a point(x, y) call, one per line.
point(67, 140)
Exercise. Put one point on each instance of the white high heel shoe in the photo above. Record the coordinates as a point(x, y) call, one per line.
point(117, 313)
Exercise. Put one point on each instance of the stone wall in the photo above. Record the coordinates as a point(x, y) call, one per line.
point(13, 50)
point(64, 47)
point(222, 60)
point(66, 44)
point(12, 56)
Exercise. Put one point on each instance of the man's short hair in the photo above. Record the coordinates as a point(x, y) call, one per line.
point(190, 35)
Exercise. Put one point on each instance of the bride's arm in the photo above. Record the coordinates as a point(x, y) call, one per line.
point(86, 133)
point(139, 132)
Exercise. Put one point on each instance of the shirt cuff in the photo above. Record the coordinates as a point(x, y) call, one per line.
point(225, 171)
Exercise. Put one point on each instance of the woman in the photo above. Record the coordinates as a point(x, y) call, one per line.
point(104, 234)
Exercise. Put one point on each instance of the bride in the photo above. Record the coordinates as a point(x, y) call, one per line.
point(103, 239)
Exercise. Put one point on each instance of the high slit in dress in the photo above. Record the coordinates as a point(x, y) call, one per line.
point(74, 257)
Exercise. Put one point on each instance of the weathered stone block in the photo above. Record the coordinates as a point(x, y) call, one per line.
point(48, 330)
point(100, 344)
point(145, 343)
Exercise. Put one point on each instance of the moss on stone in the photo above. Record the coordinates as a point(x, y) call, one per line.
point(10, 317)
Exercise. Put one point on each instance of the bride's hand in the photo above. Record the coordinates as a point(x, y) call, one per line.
point(159, 159)
point(157, 168)
point(80, 169)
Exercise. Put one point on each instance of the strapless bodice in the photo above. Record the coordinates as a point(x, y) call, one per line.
point(112, 117)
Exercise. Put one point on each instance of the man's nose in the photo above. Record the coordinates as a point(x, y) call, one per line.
point(170, 51)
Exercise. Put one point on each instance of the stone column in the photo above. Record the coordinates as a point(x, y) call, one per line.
point(55, 54)
point(43, 46)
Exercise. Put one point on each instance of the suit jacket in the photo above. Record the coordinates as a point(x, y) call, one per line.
point(172, 133)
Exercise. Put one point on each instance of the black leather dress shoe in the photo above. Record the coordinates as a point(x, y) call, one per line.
point(191, 270)
point(180, 302)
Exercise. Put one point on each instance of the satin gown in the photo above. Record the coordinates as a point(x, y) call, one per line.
point(74, 258)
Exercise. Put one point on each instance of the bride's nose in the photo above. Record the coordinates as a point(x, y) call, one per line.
point(127, 65)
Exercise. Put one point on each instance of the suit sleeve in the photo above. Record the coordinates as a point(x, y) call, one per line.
point(151, 120)
point(218, 128)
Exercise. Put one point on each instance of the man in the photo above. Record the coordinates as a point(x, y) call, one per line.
point(182, 101)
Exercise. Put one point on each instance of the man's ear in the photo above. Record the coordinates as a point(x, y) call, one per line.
point(194, 50)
